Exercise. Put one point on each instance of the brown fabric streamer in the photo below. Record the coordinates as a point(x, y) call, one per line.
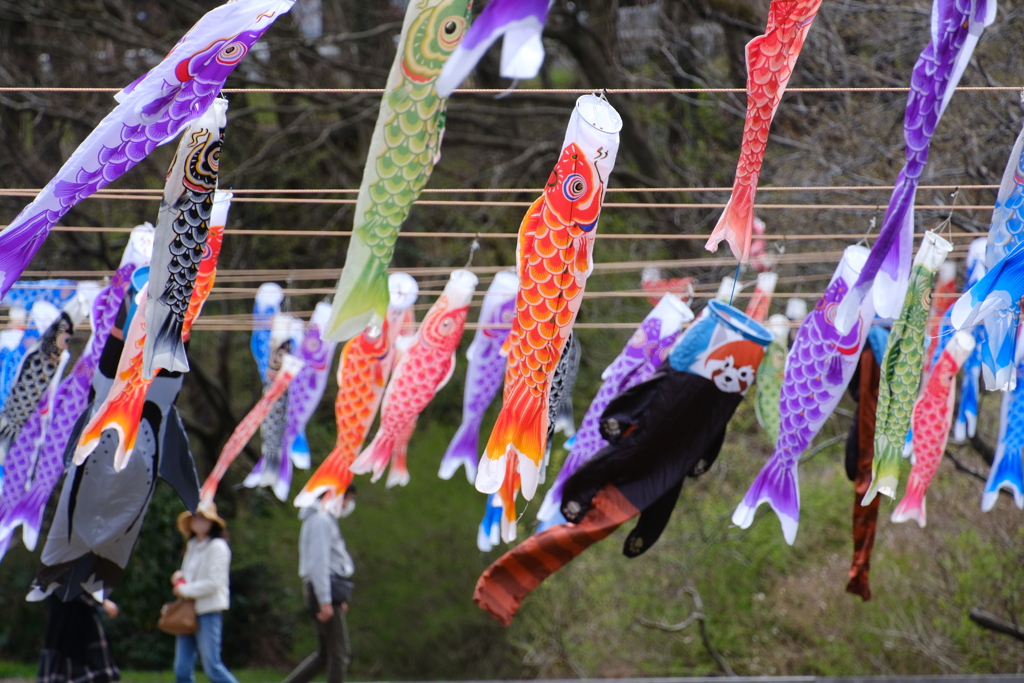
point(503, 586)
point(865, 517)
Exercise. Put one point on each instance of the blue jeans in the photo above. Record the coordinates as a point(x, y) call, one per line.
point(207, 640)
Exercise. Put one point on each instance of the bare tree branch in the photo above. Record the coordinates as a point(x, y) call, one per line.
point(991, 622)
point(696, 615)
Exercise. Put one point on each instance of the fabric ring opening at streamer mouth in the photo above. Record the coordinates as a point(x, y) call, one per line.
point(599, 114)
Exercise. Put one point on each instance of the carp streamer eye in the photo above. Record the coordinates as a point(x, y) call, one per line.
point(574, 187)
point(451, 33)
point(232, 53)
point(831, 308)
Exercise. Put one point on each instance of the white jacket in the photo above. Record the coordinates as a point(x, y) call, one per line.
point(206, 567)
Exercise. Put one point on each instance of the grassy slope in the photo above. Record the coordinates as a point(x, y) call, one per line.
point(777, 610)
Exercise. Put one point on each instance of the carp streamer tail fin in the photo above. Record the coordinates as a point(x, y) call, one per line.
point(29, 514)
point(361, 300)
point(912, 506)
point(272, 472)
point(885, 469)
point(776, 485)
point(1007, 473)
point(333, 475)
point(376, 456)
point(298, 451)
point(398, 475)
point(168, 348)
point(464, 450)
point(521, 429)
point(488, 533)
point(736, 224)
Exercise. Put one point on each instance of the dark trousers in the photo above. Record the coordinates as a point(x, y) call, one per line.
point(334, 651)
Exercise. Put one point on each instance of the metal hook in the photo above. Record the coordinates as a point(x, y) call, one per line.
point(947, 224)
point(863, 241)
point(286, 307)
point(507, 91)
point(472, 250)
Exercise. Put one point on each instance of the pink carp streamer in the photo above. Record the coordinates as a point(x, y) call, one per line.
point(290, 366)
point(770, 61)
point(423, 368)
point(933, 416)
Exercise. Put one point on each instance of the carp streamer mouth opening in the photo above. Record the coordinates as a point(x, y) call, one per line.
point(599, 114)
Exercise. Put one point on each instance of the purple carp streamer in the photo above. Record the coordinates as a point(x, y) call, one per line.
point(308, 387)
point(820, 364)
point(274, 468)
point(484, 376)
point(23, 502)
point(956, 27)
point(150, 112)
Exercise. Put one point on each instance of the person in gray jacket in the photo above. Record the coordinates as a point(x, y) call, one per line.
point(325, 567)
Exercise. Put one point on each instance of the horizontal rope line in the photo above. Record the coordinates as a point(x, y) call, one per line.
point(223, 277)
point(527, 91)
point(213, 325)
point(510, 235)
point(242, 293)
point(248, 293)
point(32, 192)
point(607, 205)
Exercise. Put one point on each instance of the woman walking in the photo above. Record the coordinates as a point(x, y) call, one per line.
point(203, 577)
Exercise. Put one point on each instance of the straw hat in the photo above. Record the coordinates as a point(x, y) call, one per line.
point(208, 511)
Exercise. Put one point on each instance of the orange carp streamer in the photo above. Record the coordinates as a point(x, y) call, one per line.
point(207, 273)
point(553, 261)
point(122, 409)
point(366, 363)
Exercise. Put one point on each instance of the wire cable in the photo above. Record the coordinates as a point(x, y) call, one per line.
point(532, 91)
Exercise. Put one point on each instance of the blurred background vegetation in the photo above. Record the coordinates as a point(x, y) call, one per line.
point(769, 608)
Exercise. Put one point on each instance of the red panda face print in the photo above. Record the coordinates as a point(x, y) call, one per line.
point(734, 365)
